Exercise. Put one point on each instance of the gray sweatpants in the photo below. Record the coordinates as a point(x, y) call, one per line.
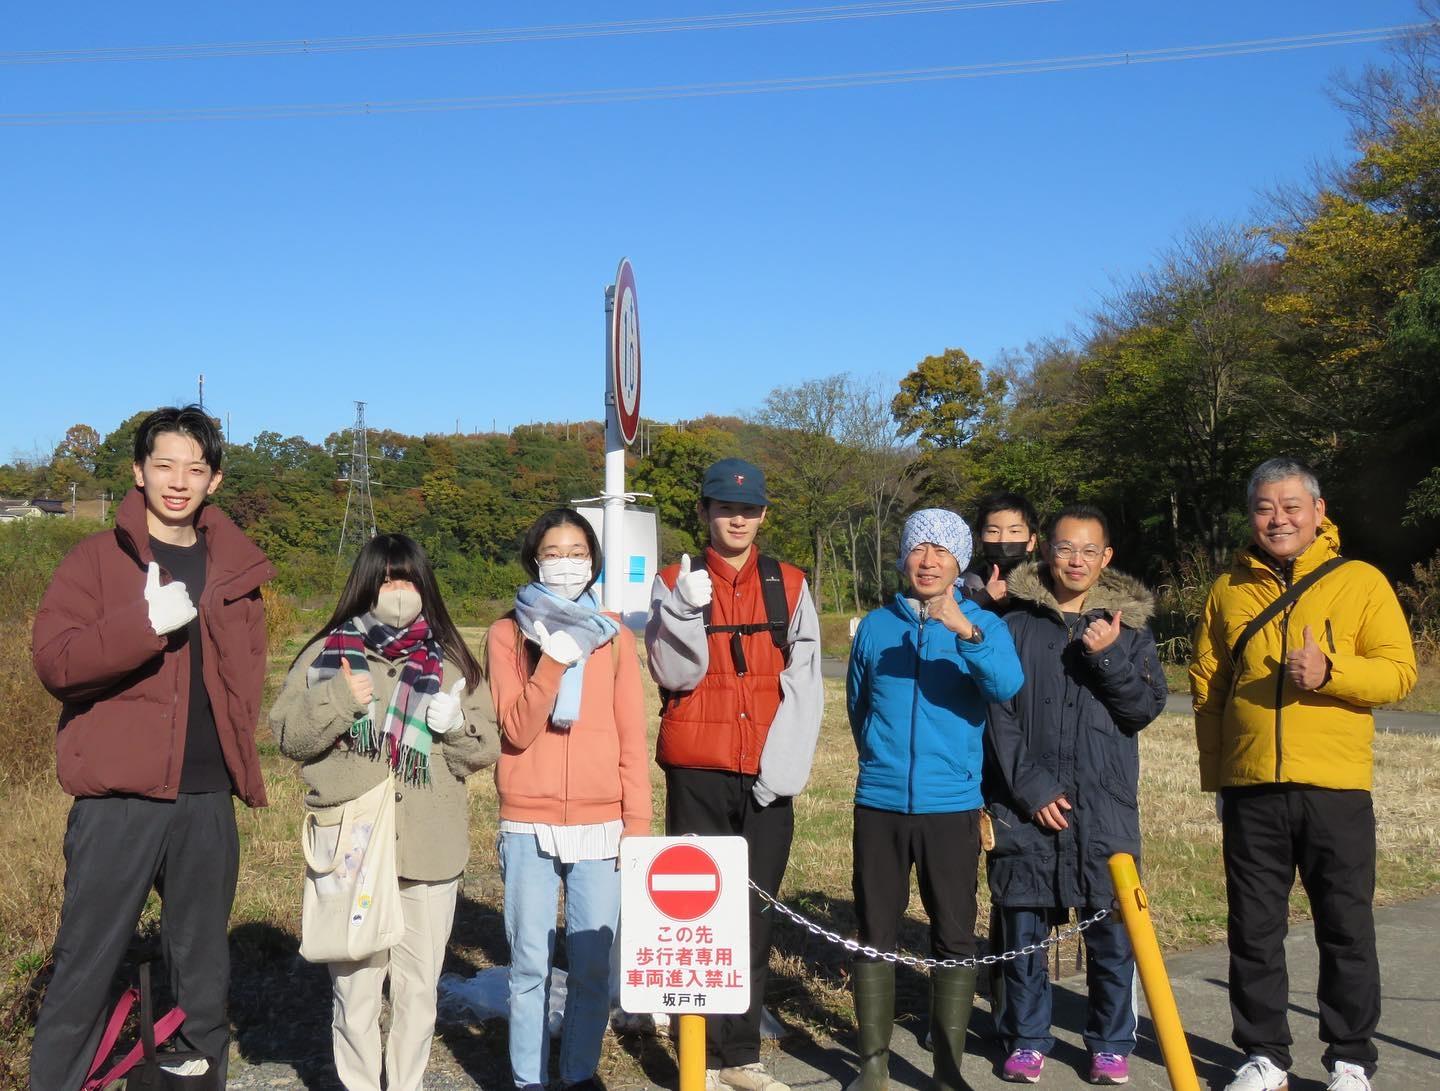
point(116, 849)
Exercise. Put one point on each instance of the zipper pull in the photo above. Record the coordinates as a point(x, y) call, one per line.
point(924, 612)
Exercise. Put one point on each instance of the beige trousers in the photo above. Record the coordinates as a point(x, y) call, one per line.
point(413, 966)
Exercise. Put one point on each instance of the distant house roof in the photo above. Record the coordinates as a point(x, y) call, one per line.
point(50, 507)
point(20, 511)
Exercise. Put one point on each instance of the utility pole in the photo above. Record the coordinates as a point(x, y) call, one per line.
point(202, 390)
point(72, 500)
point(359, 522)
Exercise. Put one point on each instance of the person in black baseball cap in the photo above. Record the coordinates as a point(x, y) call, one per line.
point(734, 644)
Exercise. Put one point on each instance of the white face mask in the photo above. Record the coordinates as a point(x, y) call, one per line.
point(566, 576)
point(398, 608)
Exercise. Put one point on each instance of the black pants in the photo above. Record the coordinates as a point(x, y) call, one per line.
point(714, 803)
point(1328, 836)
point(116, 849)
point(944, 849)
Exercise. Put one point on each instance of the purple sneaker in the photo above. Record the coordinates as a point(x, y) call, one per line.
point(1023, 1066)
point(1109, 1068)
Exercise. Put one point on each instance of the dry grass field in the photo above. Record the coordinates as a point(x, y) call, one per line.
point(280, 1004)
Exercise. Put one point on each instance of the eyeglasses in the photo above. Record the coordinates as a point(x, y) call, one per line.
point(578, 554)
point(1063, 551)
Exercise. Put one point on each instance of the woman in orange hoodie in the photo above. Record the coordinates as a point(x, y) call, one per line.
point(573, 778)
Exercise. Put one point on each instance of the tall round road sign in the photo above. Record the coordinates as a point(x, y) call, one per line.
point(683, 882)
point(625, 352)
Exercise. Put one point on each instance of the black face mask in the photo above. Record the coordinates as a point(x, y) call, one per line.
point(1005, 555)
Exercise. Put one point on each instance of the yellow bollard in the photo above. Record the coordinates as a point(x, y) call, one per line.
point(692, 1053)
point(1135, 912)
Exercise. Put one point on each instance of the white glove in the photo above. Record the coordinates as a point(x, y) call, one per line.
point(560, 646)
point(1219, 807)
point(443, 713)
point(694, 588)
point(170, 606)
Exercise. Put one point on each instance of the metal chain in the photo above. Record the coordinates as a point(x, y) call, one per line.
point(916, 961)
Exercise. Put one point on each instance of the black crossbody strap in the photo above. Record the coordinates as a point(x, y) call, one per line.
point(1284, 602)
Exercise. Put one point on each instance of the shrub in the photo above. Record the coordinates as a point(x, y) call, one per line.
point(1421, 600)
point(1179, 602)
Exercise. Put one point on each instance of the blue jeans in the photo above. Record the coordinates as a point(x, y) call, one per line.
point(1024, 1020)
point(592, 911)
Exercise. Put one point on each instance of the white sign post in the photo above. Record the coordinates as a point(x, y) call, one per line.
point(622, 418)
point(684, 925)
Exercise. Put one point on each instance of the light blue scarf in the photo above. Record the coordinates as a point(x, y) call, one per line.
point(581, 618)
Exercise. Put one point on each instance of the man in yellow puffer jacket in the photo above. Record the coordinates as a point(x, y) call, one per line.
point(1285, 739)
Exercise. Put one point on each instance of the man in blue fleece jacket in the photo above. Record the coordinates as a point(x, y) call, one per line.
point(923, 671)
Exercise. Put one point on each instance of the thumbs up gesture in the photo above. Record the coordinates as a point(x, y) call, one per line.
point(361, 687)
point(1100, 634)
point(1306, 665)
point(170, 605)
point(693, 586)
point(560, 646)
point(443, 712)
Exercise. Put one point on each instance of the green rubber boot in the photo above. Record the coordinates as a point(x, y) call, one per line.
point(874, 984)
point(952, 995)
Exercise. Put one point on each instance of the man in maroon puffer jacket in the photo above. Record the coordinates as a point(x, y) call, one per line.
point(152, 635)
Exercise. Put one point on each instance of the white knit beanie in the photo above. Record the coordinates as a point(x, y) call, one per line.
point(938, 527)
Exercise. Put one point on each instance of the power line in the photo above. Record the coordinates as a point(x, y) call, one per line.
point(504, 35)
point(985, 70)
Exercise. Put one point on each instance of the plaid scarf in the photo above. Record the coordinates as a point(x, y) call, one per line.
point(407, 740)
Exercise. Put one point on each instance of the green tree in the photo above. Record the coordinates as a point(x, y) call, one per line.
point(944, 404)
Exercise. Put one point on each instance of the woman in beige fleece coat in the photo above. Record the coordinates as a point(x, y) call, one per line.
point(388, 685)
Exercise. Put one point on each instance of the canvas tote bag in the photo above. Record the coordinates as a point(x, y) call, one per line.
point(351, 905)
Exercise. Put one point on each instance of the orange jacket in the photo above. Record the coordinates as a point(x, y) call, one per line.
point(595, 771)
point(722, 723)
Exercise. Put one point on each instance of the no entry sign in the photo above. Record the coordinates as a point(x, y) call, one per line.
point(683, 882)
point(684, 925)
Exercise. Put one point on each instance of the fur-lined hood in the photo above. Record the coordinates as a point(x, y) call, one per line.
point(1113, 591)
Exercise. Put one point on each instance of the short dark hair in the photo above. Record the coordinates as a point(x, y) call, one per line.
point(1087, 512)
point(560, 517)
point(189, 420)
point(1006, 501)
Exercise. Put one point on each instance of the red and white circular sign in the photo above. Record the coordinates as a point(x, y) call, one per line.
point(683, 882)
point(625, 352)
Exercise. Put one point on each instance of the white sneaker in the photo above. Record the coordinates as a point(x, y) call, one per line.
point(751, 1077)
point(1348, 1077)
point(1259, 1074)
point(712, 1079)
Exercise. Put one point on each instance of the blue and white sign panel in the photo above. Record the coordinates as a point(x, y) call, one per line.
point(636, 570)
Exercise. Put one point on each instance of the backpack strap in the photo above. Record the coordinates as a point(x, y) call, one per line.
point(777, 614)
point(153, 1032)
point(1284, 602)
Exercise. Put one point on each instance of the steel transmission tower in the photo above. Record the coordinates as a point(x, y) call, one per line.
point(359, 523)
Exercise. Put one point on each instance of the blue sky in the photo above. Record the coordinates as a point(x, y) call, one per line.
point(452, 264)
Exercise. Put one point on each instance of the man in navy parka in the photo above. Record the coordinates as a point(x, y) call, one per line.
point(923, 670)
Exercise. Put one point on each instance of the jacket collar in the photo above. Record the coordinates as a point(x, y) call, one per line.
point(232, 557)
point(1326, 545)
point(1114, 591)
point(721, 569)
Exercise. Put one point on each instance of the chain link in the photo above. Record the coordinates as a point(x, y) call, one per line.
point(916, 961)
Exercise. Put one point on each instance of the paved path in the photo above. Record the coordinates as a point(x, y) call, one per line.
point(1409, 1036)
point(1427, 723)
point(1408, 1039)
